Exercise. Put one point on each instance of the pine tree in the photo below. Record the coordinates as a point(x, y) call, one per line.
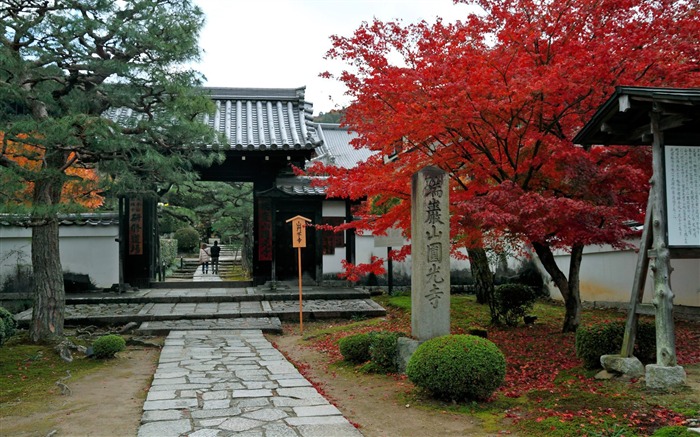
point(63, 66)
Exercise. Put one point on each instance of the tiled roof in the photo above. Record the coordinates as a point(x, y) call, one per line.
point(87, 219)
point(299, 186)
point(256, 119)
point(335, 148)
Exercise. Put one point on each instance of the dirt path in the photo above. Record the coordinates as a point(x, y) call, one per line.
point(372, 402)
point(105, 403)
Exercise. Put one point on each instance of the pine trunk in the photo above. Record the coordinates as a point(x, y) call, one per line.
point(569, 288)
point(49, 294)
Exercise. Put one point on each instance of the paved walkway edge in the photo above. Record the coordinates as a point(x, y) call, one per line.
point(225, 383)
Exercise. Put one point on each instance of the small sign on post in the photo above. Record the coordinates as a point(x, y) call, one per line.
point(299, 241)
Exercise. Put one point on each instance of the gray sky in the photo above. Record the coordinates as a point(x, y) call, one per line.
point(281, 43)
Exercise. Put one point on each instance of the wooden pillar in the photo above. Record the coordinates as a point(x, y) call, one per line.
point(663, 296)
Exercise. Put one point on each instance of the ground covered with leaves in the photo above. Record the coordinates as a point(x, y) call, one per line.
point(547, 390)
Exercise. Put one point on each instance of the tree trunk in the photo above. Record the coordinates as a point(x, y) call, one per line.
point(49, 293)
point(483, 280)
point(569, 288)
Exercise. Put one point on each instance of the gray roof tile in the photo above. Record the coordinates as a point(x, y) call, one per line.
point(335, 148)
point(256, 119)
point(85, 219)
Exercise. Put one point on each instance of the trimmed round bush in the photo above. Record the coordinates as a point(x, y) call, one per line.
point(355, 348)
point(187, 239)
point(108, 345)
point(383, 351)
point(606, 338)
point(513, 301)
point(9, 324)
point(458, 367)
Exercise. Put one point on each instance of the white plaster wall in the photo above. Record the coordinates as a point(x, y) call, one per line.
point(333, 208)
point(90, 250)
point(365, 249)
point(332, 263)
point(607, 276)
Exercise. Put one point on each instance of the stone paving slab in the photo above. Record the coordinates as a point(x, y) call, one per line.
point(224, 383)
point(213, 292)
point(288, 310)
point(161, 327)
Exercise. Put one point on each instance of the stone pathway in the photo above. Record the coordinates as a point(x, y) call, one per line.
point(225, 383)
point(199, 276)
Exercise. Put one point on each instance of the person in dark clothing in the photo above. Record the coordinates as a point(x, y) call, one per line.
point(215, 251)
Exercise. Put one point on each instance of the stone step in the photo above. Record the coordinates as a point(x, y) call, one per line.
point(122, 313)
point(271, 325)
point(203, 292)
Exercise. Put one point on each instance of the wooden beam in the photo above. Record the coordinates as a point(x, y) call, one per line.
point(640, 277)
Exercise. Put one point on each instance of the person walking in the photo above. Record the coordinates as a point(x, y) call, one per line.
point(215, 250)
point(204, 258)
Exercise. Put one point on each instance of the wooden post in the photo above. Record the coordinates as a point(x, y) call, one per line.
point(301, 311)
point(663, 296)
point(640, 276)
point(299, 241)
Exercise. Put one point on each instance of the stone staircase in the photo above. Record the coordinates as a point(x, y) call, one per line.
point(229, 261)
point(214, 306)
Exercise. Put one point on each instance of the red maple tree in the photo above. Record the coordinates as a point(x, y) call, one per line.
point(495, 100)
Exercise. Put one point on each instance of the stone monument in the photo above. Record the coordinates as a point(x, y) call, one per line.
point(430, 254)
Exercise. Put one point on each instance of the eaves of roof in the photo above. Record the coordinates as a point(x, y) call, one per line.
point(86, 219)
point(624, 118)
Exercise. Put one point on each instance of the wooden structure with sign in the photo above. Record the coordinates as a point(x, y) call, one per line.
point(668, 120)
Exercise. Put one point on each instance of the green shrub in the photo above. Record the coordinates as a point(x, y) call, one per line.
point(458, 367)
point(383, 351)
point(2, 332)
point(513, 301)
point(187, 239)
point(108, 345)
point(674, 431)
point(8, 326)
point(605, 339)
point(168, 251)
point(355, 348)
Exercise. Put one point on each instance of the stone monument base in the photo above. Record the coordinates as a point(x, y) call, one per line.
point(405, 347)
point(664, 377)
point(628, 366)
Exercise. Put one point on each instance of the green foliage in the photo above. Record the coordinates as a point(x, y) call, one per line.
point(108, 345)
point(377, 349)
point(187, 239)
point(513, 301)
point(674, 431)
point(168, 251)
point(7, 325)
point(606, 338)
point(355, 348)
point(458, 367)
point(383, 351)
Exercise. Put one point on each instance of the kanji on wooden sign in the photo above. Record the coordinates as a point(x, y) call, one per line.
point(299, 230)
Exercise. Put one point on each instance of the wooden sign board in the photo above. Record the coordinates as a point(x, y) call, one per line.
point(299, 230)
point(683, 195)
